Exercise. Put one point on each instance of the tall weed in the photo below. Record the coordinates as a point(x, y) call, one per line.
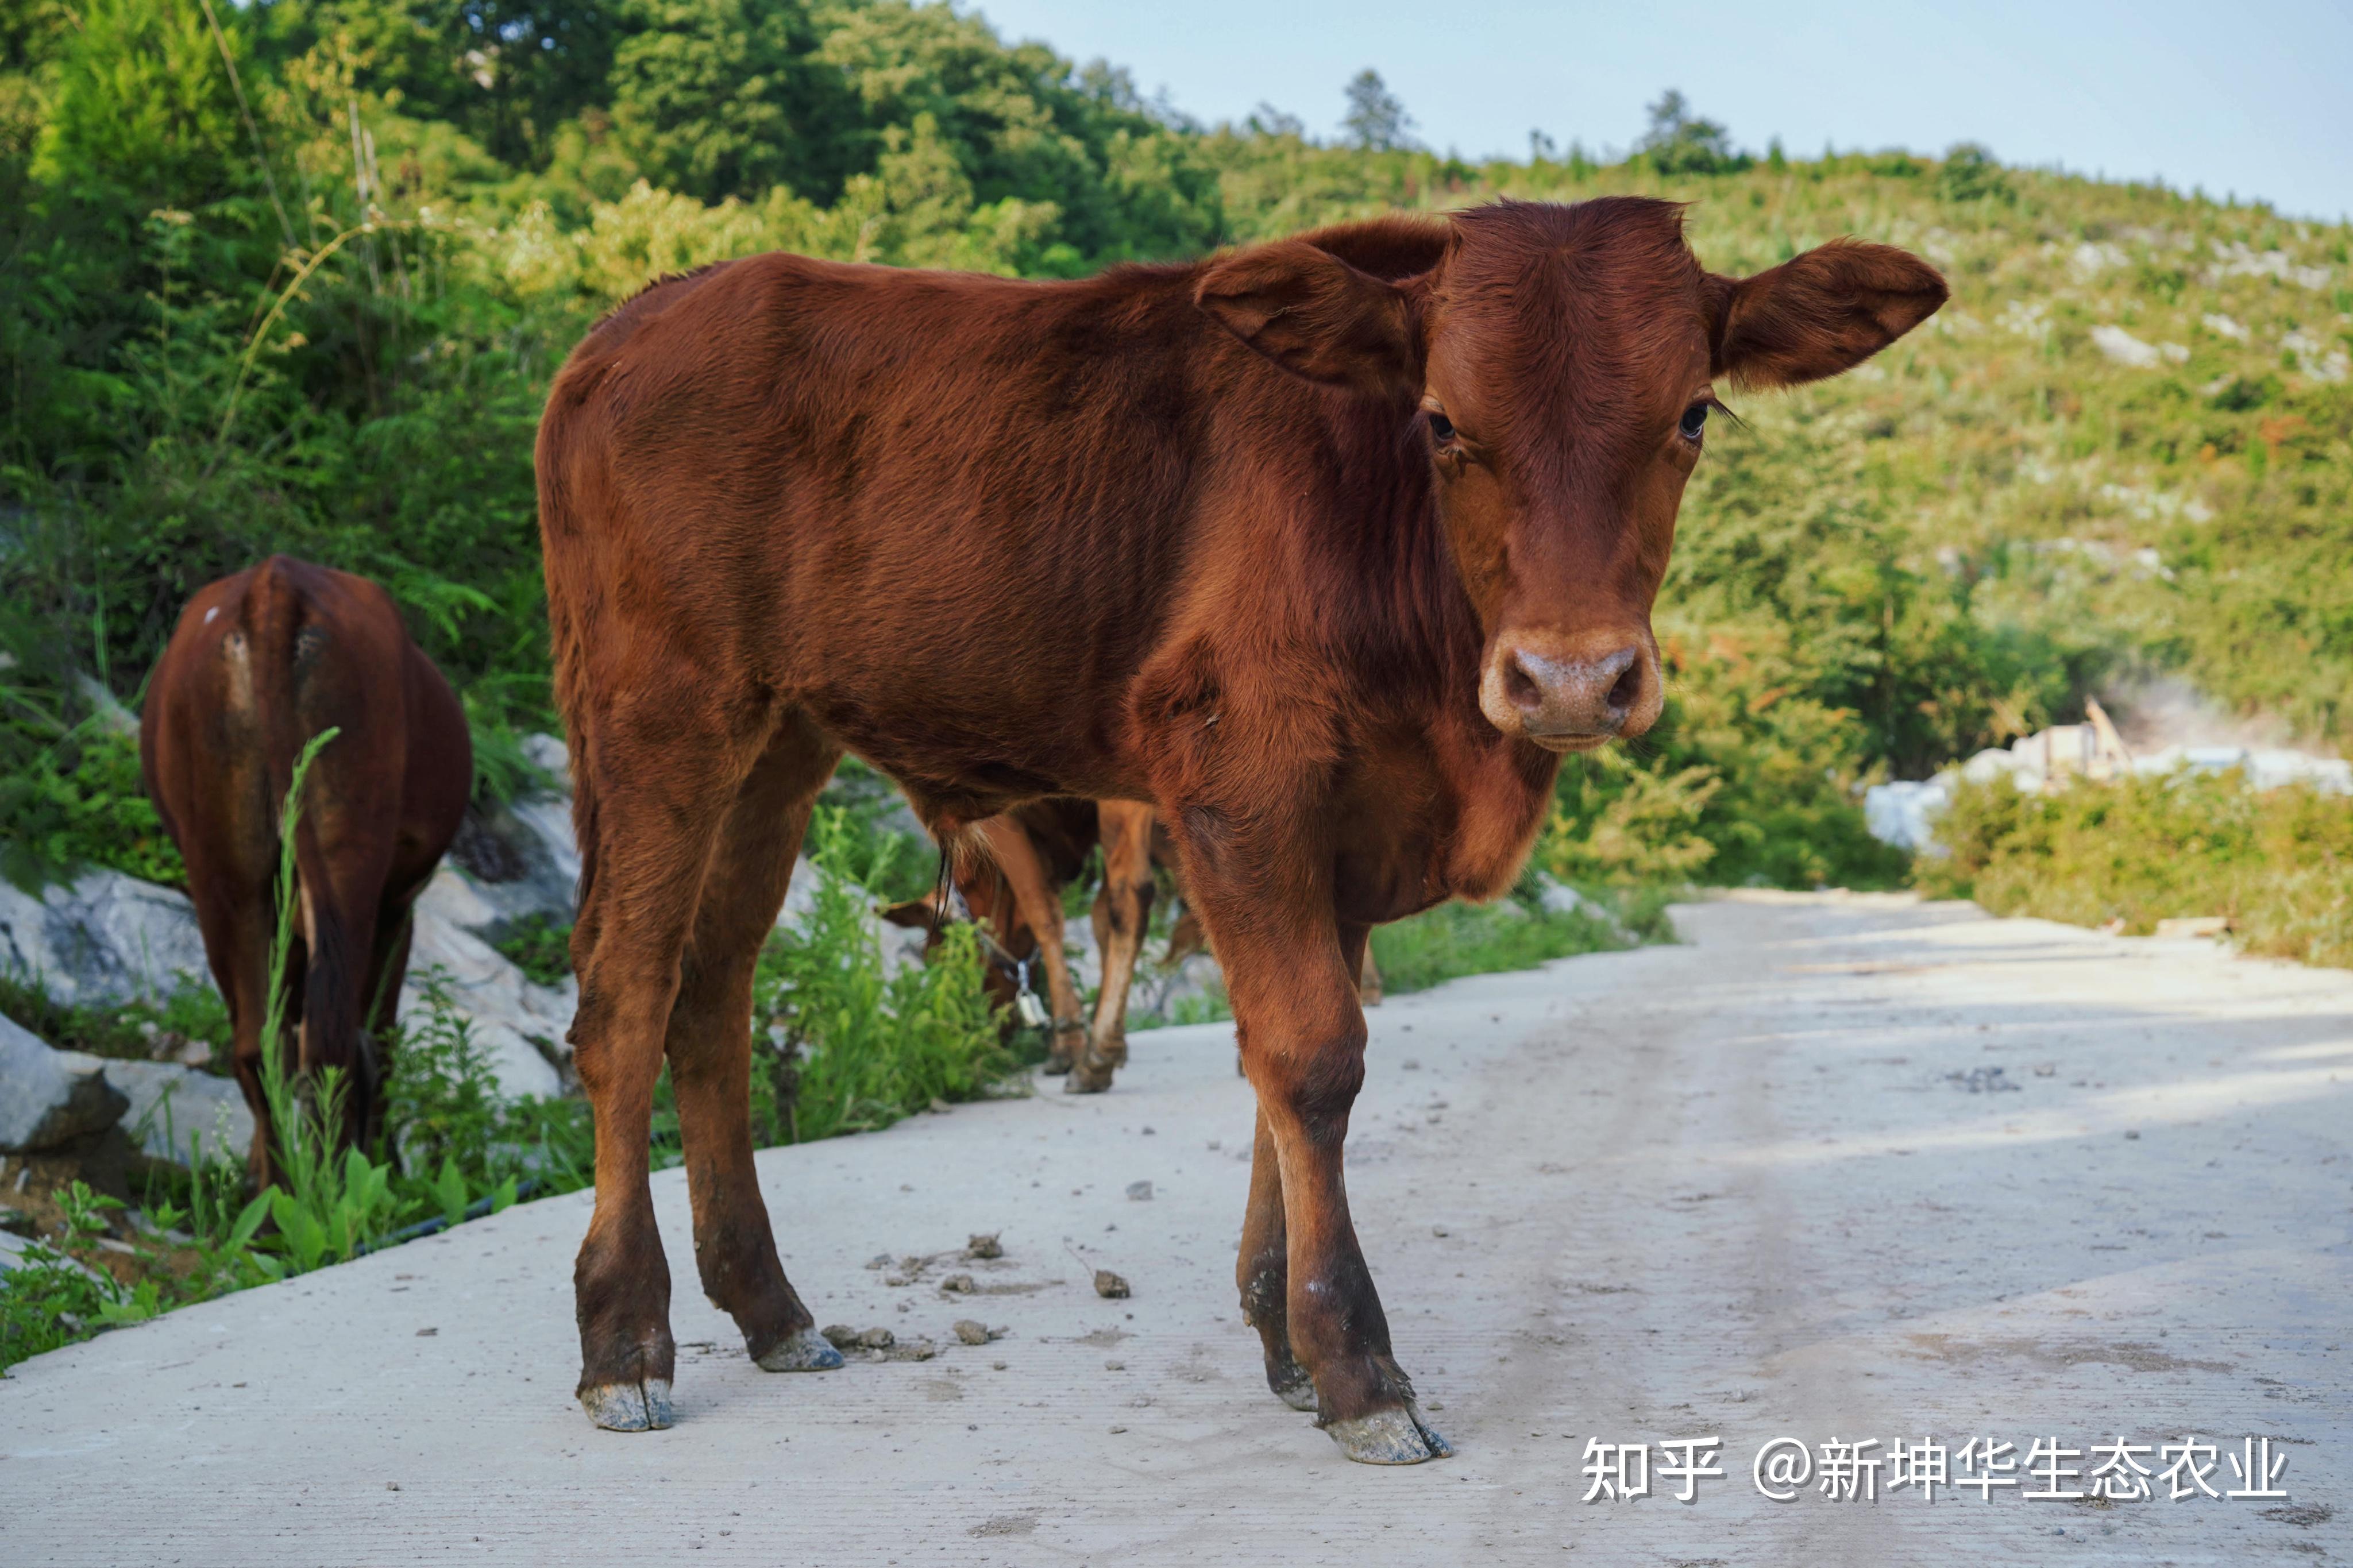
point(854, 1048)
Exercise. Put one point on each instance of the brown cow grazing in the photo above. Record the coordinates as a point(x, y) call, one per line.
point(1011, 879)
point(1015, 887)
point(1330, 549)
point(259, 664)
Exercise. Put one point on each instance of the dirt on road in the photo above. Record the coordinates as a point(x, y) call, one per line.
point(1836, 1170)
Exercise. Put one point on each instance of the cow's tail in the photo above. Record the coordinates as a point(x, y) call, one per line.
point(567, 551)
point(284, 647)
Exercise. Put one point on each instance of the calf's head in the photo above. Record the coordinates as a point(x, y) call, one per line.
point(1559, 363)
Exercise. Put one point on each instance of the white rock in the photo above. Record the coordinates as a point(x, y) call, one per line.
point(1989, 764)
point(1559, 898)
point(173, 1105)
point(49, 1096)
point(2123, 348)
point(508, 1011)
point(107, 937)
point(549, 751)
point(1904, 813)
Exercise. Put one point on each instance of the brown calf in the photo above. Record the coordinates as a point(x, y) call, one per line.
point(1033, 852)
point(1012, 881)
point(261, 663)
point(1328, 549)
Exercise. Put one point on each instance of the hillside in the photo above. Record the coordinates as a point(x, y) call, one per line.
point(313, 307)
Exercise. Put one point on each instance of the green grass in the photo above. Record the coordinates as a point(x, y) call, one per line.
point(1455, 939)
point(2278, 864)
point(539, 945)
point(134, 1031)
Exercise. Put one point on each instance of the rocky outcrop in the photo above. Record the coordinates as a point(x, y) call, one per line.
point(1904, 813)
point(519, 1023)
point(50, 1097)
point(174, 1109)
point(109, 938)
point(103, 938)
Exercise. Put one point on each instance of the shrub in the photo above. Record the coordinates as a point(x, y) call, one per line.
point(2278, 864)
point(78, 802)
point(539, 945)
point(1970, 173)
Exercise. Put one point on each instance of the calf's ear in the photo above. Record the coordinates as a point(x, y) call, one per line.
point(915, 914)
point(1820, 313)
point(1317, 317)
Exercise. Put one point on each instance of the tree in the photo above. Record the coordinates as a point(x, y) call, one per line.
point(720, 98)
point(1681, 144)
point(1377, 120)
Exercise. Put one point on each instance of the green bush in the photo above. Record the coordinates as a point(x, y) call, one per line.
point(77, 802)
point(854, 1049)
point(539, 945)
point(2278, 865)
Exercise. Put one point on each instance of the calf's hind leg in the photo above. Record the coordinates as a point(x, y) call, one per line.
point(1262, 1268)
point(1261, 1272)
point(1123, 909)
point(710, 1049)
point(659, 776)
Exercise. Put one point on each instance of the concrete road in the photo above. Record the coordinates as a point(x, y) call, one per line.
point(1739, 1189)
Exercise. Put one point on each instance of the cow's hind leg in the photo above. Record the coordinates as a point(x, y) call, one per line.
point(1039, 903)
point(1122, 911)
point(660, 774)
point(1263, 1273)
point(710, 1049)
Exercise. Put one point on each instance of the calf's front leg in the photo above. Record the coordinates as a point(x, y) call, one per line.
point(1293, 986)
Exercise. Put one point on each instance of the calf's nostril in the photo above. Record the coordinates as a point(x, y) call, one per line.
point(1628, 690)
point(1521, 687)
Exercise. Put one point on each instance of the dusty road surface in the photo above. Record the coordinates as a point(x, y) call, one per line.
point(1738, 1188)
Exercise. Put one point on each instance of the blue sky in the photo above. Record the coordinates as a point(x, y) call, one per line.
point(2255, 97)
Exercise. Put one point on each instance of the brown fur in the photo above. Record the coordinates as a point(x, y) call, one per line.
point(260, 663)
point(1190, 535)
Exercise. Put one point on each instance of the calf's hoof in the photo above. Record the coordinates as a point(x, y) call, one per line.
point(1292, 1385)
point(1088, 1075)
point(1397, 1436)
point(629, 1406)
point(803, 1350)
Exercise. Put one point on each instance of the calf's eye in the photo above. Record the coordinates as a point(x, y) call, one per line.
point(1695, 421)
point(1441, 428)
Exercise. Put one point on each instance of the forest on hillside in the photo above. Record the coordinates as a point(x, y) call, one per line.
point(293, 274)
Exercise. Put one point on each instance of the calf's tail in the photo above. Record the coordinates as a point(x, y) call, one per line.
point(285, 647)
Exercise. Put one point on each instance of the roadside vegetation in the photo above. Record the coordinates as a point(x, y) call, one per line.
point(1518, 931)
point(2277, 864)
point(838, 1047)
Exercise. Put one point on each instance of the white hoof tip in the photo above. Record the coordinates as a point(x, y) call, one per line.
point(629, 1406)
point(1388, 1437)
point(804, 1351)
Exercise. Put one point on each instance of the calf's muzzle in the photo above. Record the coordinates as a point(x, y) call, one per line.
point(1572, 696)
